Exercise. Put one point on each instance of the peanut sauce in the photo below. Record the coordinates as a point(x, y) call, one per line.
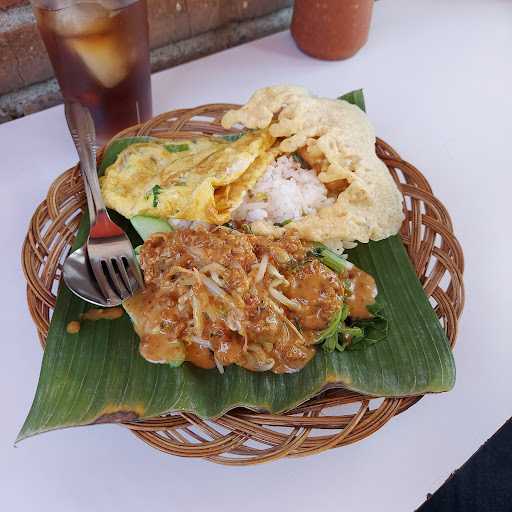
point(73, 327)
point(204, 301)
point(364, 291)
point(102, 314)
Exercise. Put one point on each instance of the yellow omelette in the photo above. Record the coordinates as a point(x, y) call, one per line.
point(198, 179)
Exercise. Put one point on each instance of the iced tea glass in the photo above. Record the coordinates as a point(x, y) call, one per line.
point(100, 55)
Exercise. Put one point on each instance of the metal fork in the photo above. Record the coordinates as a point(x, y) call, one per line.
point(109, 250)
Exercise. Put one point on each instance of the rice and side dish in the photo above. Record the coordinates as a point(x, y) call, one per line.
point(253, 297)
point(238, 233)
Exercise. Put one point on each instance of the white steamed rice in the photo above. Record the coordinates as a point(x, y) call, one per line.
point(285, 192)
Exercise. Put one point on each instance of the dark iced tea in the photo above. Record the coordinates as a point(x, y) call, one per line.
point(99, 51)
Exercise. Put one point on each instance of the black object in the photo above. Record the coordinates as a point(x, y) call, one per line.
point(483, 483)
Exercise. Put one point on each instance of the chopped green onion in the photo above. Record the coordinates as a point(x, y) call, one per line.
point(233, 137)
point(282, 224)
point(155, 191)
point(176, 148)
point(301, 161)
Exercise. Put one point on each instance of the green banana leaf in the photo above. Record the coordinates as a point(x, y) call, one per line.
point(98, 376)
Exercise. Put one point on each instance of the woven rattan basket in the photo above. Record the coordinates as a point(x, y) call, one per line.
point(241, 437)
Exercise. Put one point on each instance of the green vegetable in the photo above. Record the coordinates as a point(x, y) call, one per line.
point(373, 329)
point(343, 334)
point(155, 191)
point(176, 148)
point(146, 226)
point(301, 161)
point(233, 137)
point(118, 145)
point(329, 258)
point(329, 336)
point(355, 97)
point(137, 252)
point(351, 331)
point(281, 224)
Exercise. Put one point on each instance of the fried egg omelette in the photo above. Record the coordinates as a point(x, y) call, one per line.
point(201, 179)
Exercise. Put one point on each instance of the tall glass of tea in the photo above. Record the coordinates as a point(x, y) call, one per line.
point(100, 53)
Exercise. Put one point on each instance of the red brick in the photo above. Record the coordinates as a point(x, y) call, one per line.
point(32, 63)
point(181, 28)
point(205, 15)
point(158, 19)
point(23, 58)
point(168, 21)
point(5, 4)
point(247, 9)
point(10, 79)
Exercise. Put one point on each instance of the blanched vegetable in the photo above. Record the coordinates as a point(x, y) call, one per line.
point(330, 259)
point(146, 226)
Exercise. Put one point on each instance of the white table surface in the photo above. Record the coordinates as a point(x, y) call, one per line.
point(438, 84)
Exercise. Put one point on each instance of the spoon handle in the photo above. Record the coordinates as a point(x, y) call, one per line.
point(90, 203)
point(81, 127)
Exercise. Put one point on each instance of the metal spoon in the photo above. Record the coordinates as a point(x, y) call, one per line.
point(80, 280)
point(78, 275)
point(77, 271)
